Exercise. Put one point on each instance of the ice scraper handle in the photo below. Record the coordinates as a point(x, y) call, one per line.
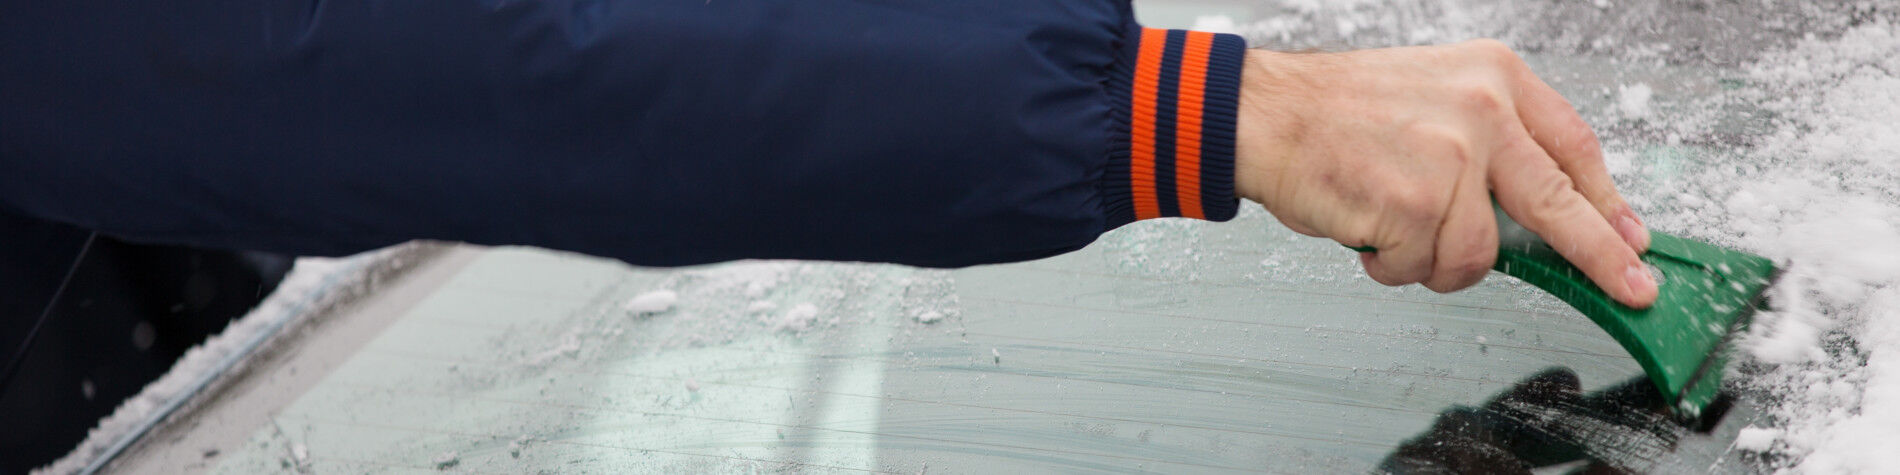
point(1523, 255)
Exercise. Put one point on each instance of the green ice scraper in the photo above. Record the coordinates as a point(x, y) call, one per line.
point(1706, 294)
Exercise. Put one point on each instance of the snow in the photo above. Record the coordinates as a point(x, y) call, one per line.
point(1826, 361)
point(1811, 182)
point(798, 318)
point(651, 302)
point(1756, 439)
point(929, 316)
point(1632, 100)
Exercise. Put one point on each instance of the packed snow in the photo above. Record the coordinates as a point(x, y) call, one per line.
point(651, 302)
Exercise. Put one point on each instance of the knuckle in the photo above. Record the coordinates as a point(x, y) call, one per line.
point(1551, 195)
point(1584, 144)
point(1362, 230)
point(1484, 99)
point(1493, 50)
point(1416, 203)
point(1445, 144)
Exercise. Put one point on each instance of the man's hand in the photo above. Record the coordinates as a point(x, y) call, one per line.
point(1403, 150)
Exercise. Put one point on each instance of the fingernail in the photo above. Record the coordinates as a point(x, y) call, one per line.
point(1641, 284)
point(1632, 231)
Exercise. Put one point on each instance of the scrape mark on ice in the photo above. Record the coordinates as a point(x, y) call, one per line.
point(570, 344)
point(446, 460)
point(515, 446)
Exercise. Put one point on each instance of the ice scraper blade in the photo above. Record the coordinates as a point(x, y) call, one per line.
point(1706, 294)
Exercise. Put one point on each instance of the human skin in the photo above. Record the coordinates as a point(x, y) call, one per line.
point(1403, 150)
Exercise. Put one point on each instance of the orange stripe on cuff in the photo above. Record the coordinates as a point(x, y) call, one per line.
point(1187, 141)
point(1141, 166)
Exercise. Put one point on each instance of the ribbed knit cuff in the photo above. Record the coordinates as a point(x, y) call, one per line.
point(1175, 95)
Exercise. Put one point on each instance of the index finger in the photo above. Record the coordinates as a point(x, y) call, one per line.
point(1530, 188)
point(1553, 122)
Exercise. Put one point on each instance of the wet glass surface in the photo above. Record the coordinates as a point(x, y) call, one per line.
point(1168, 346)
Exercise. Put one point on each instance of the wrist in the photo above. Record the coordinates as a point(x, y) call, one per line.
point(1269, 123)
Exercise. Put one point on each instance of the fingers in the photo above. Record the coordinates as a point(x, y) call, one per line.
point(1540, 196)
point(1468, 240)
point(1556, 127)
point(1406, 253)
point(1395, 267)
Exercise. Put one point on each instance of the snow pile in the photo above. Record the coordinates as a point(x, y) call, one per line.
point(1820, 194)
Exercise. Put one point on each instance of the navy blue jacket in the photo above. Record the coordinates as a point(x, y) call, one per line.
point(659, 132)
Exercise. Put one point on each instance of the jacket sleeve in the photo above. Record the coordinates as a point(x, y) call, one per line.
point(659, 132)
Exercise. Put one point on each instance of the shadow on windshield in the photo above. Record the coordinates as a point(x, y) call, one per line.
point(1546, 422)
